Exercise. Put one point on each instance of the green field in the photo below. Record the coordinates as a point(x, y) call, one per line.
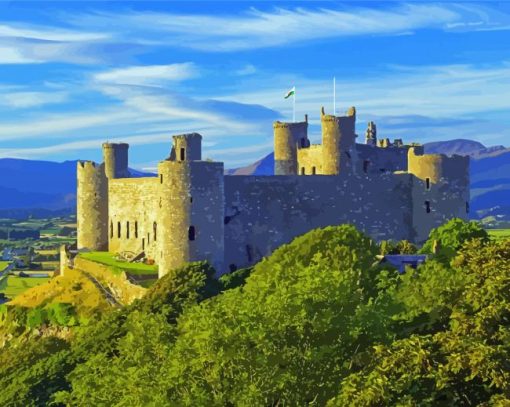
point(3, 265)
point(499, 233)
point(108, 259)
point(13, 286)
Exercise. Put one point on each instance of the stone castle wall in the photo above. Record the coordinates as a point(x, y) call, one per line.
point(261, 213)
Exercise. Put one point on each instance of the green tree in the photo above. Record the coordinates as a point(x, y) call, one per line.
point(451, 236)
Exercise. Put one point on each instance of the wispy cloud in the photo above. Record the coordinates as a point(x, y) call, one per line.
point(31, 99)
point(148, 74)
point(259, 29)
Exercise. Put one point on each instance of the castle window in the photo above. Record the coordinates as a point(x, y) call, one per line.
point(148, 238)
point(190, 199)
point(155, 230)
point(348, 154)
point(191, 233)
point(143, 244)
point(127, 229)
point(302, 170)
point(467, 207)
point(160, 178)
point(365, 166)
point(427, 183)
point(118, 230)
point(314, 171)
point(136, 229)
point(226, 220)
point(111, 229)
point(183, 154)
point(249, 253)
point(427, 206)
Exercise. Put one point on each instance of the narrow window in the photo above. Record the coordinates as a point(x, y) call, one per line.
point(427, 183)
point(143, 244)
point(111, 229)
point(190, 199)
point(226, 219)
point(365, 166)
point(183, 154)
point(427, 206)
point(160, 178)
point(136, 229)
point(118, 230)
point(314, 171)
point(191, 233)
point(148, 238)
point(155, 229)
point(348, 154)
point(467, 207)
point(127, 229)
point(302, 170)
point(249, 253)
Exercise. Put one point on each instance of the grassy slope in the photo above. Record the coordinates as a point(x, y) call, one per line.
point(73, 288)
point(109, 260)
point(499, 233)
point(17, 285)
point(3, 265)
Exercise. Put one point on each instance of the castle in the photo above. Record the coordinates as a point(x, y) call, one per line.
point(191, 211)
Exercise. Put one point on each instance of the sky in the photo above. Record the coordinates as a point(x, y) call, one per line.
point(75, 74)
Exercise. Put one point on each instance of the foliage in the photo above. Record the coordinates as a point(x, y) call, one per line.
point(400, 247)
point(451, 236)
point(235, 279)
point(315, 323)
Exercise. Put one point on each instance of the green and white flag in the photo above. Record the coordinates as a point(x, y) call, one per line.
point(290, 93)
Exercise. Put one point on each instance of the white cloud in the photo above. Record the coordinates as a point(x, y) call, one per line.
point(149, 74)
point(31, 99)
point(49, 34)
point(259, 29)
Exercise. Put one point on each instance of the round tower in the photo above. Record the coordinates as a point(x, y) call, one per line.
point(92, 206)
point(288, 137)
point(115, 157)
point(187, 147)
point(174, 215)
point(338, 142)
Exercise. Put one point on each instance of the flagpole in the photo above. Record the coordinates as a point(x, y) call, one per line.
point(334, 95)
point(294, 106)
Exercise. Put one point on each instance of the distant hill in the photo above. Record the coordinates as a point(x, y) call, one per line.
point(490, 174)
point(38, 186)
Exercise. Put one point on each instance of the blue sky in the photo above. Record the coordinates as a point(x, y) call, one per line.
point(74, 74)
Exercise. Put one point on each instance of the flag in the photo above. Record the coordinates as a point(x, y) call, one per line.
point(290, 93)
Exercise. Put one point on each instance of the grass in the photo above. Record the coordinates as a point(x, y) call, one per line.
point(108, 259)
point(499, 233)
point(17, 285)
point(46, 252)
point(3, 265)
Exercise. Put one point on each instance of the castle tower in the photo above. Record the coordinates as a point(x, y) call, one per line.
point(115, 157)
point(191, 208)
point(371, 134)
point(288, 137)
point(338, 142)
point(440, 189)
point(92, 206)
point(186, 147)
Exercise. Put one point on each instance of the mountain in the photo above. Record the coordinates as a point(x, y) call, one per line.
point(38, 186)
point(265, 166)
point(489, 171)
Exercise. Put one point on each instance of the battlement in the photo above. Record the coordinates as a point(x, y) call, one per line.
point(186, 147)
